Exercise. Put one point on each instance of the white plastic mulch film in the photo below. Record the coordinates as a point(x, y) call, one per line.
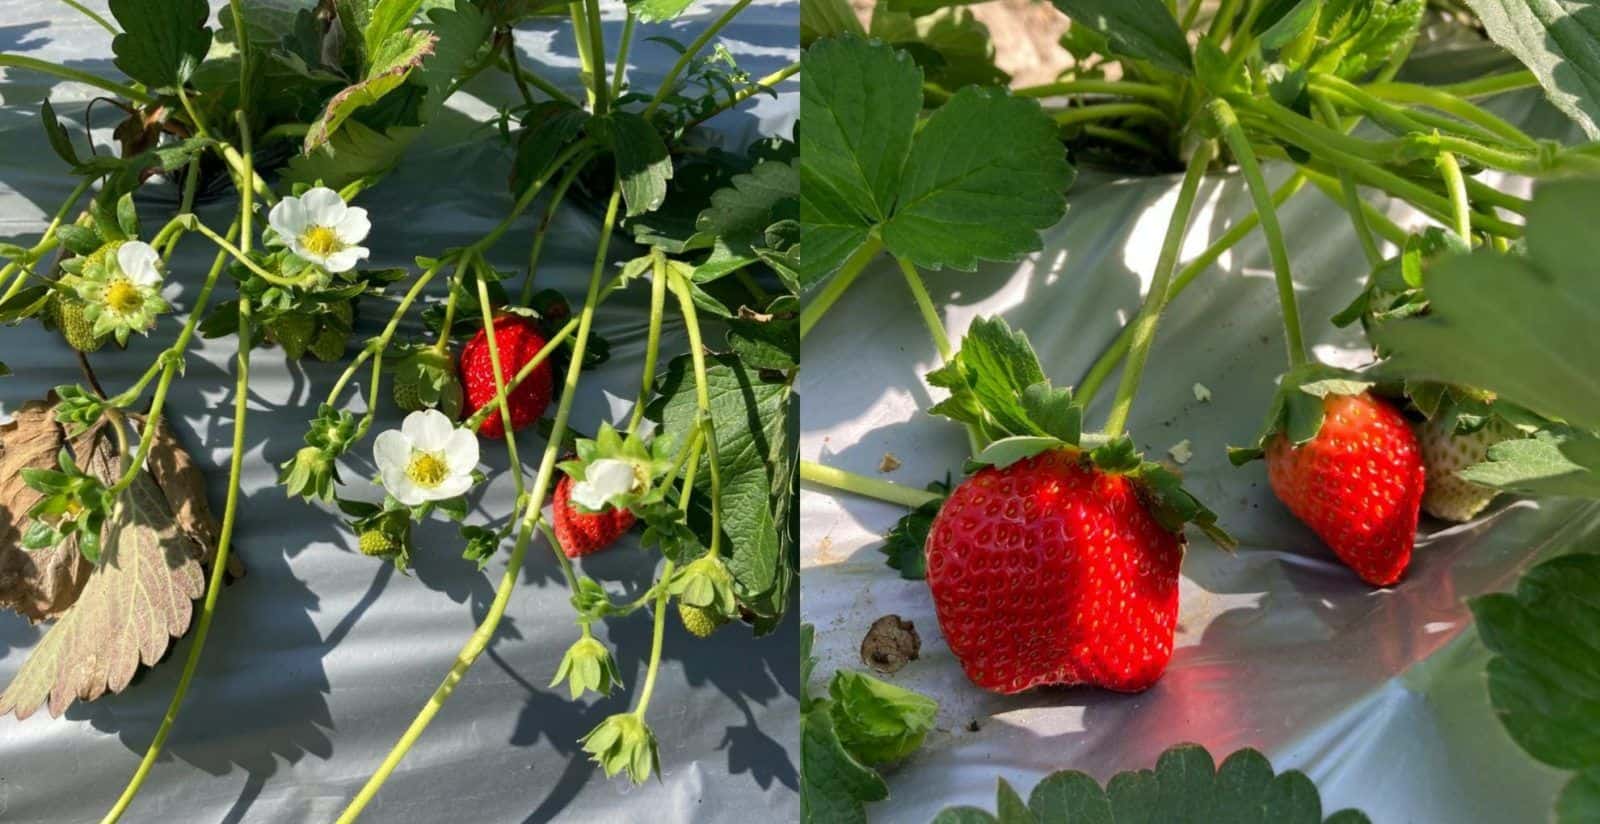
point(320, 656)
point(1378, 695)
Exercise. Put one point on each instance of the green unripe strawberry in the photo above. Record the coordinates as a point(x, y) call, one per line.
point(294, 332)
point(699, 621)
point(1446, 452)
point(378, 543)
point(427, 378)
point(329, 344)
point(66, 312)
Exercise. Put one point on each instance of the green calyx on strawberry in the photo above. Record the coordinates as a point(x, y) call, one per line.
point(587, 667)
point(312, 473)
point(1394, 289)
point(425, 378)
point(1056, 561)
point(1345, 463)
point(704, 589)
point(381, 533)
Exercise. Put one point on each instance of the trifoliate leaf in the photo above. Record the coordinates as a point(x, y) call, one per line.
point(141, 595)
point(391, 63)
point(827, 18)
point(1140, 29)
point(950, 44)
point(876, 721)
point(1186, 785)
point(1553, 312)
point(462, 33)
point(162, 41)
point(1543, 678)
point(642, 161)
point(1556, 42)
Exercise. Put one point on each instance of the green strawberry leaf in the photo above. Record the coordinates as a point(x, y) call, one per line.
point(1007, 451)
point(162, 41)
point(1556, 42)
point(985, 173)
point(835, 786)
point(1559, 462)
point(642, 160)
point(767, 341)
point(1543, 680)
point(1296, 410)
point(658, 11)
point(950, 44)
point(391, 63)
point(386, 19)
point(827, 18)
point(905, 545)
point(876, 721)
point(1140, 29)
point(1553, 312)
point(1186, 785)
point(355, 151)
point(735, 223)
point(548, 128)
point(462, 32)
point(996, 383)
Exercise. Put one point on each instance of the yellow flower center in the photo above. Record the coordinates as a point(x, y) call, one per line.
point(321, 241)
point(124, 298)
point(427, 469)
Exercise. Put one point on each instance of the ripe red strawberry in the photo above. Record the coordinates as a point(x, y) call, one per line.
point(1050, 571)
point(582, 533)
point(518, 341)
point(1357, 484)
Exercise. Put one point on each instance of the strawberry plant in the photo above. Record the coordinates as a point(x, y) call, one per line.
point(296, 115)
point(1056, 560)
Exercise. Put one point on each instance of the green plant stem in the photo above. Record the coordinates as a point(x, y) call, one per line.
point(557, 194)
point(1493, 84)
point(580, 34)
point(526, 198)
point(1095, 378)
point(690, 53)
point(47, 241)
point(1435, 98)
point(1223, 21)
point(500, 384)
point(1119, 88)
point(1350, 198)
point(1484, 193)
point(388, 331)
point(1374, 219)
point(652, 344)
point(834, 288)
point(534, 79)
point(597, 53)
point(219, 565)
point(941, 339)
point(1456, 186)
point(242, 37)
point(90, 13)
point(656, 634)
point(514, 66)
point(17, 61)
point(697, 353)
point(1144, 325)
point(191, 222)
point(1106, 111)
point(1233, 134)
point(910, 497)
point(620, 77)
point(1400, 120)
point(480, 638)
point(756, 87)
point(1122, 136)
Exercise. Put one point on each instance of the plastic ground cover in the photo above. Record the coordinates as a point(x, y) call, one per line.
point(319, 657)
point(1378, 695)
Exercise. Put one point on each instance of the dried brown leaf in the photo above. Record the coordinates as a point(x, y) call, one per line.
point(38, 585)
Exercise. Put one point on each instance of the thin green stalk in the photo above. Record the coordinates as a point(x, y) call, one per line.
point(1350, 197)
point(941, 340)
point(580, 34)
point(835, 287)
point(697, 354)
point(597, 53)
point(537, 251)
point(480, 638)
point(1119, 88)
point(534, 79)
point(1435, 98)
point(690, 53)
point(1493, 84)
point(1456, 186)
point(1144, 325)
point(1375, 220)
point(1122, 136)
point(1400, 120)
point(219, 566)
point(1106, 111)
point(551, 346)
point(1233, 134)
point(500, 385)
point(652, 344)
point(526, 198)
point(910, 497)
point(388, 331)
point(90, 13)
point(47, 241)
point(1221, 23)
point(656, 635)
point(621, 76)
point(194, 223)
point(756, 86)
point(46, 67)
point(242, 36)
point(514, 65)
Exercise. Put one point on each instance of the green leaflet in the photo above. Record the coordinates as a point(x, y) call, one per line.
point(1551, 312)
point(737, 223)
point(1543, 680)
point(1561, 462)
point(1185, 785)
point(984, 174)
point(642, 161)
point(877, 721)
point(826, 18)
point(1556, 41)
point(392, 63)
point(658, 11)
point(1141, 29)
point(162, 41)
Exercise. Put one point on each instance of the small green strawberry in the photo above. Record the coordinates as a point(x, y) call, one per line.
point(294, 331)
point(66, 313)
point(426, 379)
point(1446, 451)
point(377, 543)
point(700, 621)
point(334, 335)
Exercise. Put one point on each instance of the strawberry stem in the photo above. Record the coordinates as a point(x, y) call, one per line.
point(500, 389)
point(886, 491)
point(836, 286)
point(1456, 185)
point(670, 81)
point(1350, 198)
point(941, 339)
point(1233, 134)
point(1144, 326)
point(556, 196)
point(652, 344)
point(702, 390)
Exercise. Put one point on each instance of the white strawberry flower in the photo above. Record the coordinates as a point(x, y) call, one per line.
point(603, 479)
point(121, 289)
point(428, 458)
point(320, 227)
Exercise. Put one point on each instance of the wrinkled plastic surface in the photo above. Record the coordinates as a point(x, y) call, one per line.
point(319, 657)
point(1377, 694)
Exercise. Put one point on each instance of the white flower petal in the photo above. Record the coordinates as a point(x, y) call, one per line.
point(391, 451)
point(428, 429)
point(353, 227)
point(603, 479)
point(452, 487)
point(404, 489)
point(138, 263)
point(323, 206)
point(343, 260)
point(288, 219)
point(461, 452)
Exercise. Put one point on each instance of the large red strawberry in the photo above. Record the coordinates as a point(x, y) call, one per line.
point(1051, 571)
point(582, 533)
point(517, 340)
point(1358, 484)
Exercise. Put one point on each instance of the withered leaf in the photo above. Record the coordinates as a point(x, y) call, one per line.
point(38, 585)
point(140, 597)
